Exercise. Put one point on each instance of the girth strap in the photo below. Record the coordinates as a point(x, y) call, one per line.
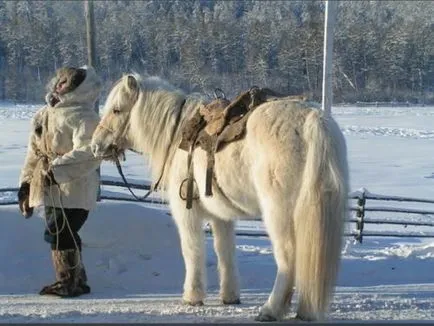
point(209, 173)
point(190, 178)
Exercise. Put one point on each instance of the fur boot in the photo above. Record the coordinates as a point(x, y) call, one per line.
point(82, 278)
point(70, 275)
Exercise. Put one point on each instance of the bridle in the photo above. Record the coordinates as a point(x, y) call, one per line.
point(124, 128)
point(120, 136)
point(116, 152)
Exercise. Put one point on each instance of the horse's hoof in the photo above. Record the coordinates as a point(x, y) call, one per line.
point(265, 317)
point(193, 303)
point(235, 301)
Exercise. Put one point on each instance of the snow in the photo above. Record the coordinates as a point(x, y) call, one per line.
point(134, 263)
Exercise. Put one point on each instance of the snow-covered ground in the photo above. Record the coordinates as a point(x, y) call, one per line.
point(134, 263)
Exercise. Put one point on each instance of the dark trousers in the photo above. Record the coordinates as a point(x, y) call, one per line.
point(57, 232)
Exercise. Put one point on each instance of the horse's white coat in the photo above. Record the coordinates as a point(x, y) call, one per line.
point(290, 169)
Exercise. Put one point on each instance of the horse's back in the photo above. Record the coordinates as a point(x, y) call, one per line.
point(277, 118)
point(275, 130)
point(279, 124)
point(277, 143)
point(269, 159)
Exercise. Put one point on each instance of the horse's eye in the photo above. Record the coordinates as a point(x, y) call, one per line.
point(116, 111)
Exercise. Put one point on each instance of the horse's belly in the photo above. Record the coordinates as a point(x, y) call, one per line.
point(234, 195)
point(231, 203)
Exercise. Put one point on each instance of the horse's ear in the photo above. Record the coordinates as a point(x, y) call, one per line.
point(132, 83)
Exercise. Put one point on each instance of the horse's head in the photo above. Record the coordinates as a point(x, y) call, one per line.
point(111, 134)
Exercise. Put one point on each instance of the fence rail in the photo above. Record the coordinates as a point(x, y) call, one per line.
point(388, 104)
point(360, 219)
point(113, 183)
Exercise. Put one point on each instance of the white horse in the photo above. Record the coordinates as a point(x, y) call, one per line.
point(290, 169)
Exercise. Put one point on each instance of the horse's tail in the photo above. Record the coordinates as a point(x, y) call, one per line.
point(319, 214)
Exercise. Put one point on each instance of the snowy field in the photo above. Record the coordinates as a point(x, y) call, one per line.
point(134, 263)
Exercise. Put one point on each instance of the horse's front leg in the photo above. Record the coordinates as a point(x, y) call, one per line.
point(191, 233)
point(224, 246)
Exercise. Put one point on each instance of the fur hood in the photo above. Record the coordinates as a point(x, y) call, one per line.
point(84, 95)
point(63, 133)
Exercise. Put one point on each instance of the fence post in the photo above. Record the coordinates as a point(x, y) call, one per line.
point(360, 214)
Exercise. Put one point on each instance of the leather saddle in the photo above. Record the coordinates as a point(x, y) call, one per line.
point(219, 123)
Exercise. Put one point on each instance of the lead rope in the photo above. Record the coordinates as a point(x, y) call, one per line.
point(64, 222)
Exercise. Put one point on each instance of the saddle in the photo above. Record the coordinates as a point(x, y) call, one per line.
point(217, 124)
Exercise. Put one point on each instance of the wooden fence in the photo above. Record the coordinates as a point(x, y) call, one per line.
point(364, 214)
point(361, 217)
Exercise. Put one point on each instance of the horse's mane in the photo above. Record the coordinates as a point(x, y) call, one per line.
point(154, 83)
point(157, 119)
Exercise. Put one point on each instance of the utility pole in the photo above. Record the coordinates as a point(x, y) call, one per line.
point(90, 38)
point(91, 56)
point(327, 81)
point(90, 32)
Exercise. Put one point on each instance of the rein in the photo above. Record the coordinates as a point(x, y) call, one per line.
point(121, 173)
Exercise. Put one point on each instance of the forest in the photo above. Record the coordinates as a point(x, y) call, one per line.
point(383, 50)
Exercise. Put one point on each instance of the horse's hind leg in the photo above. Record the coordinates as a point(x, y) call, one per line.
point(280, 229)
point(224, 246)
point(191, 233)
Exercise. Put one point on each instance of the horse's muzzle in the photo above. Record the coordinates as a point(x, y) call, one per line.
point(96, 150)
point(101, 152)
point(108, 153)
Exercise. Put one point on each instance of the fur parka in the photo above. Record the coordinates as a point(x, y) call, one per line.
point(66, 131)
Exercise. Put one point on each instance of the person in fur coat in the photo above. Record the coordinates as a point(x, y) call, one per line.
point(61, 173)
